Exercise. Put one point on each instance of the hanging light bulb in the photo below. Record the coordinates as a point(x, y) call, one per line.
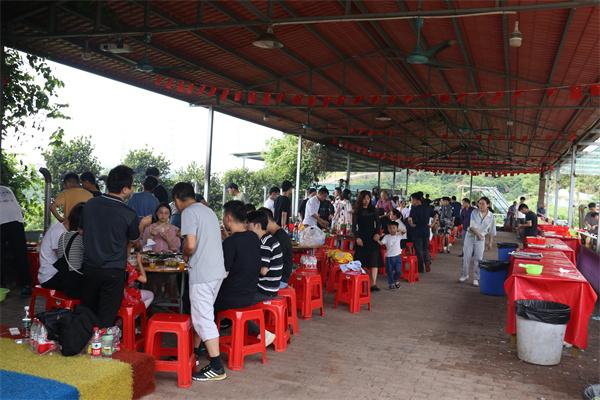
point(268, 40)
point(516, 37)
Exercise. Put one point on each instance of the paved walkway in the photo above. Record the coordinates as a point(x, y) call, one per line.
point(436, 339)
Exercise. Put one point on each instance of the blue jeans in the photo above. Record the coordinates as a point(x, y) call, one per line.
point(393, 268)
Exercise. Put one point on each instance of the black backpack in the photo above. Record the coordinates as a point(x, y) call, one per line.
point(75, 331)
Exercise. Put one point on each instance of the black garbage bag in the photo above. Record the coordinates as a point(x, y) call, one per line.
point(592, 392)
point(507, 245)
point(544, 311)
point(494, 265)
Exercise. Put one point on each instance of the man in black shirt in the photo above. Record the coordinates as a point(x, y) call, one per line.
point(302, 208)
point(160, 192)
point(108, 227)
point(283, 204)
point(418, 226)
point(530, 226)
point(286, 247)
point(241, 252)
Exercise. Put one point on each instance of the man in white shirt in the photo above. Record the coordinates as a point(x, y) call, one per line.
point(311, 215)
point(273, 195)
point(49, 252)
point(12, 233)
point(235, 193)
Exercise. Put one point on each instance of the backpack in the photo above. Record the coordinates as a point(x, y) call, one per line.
point(74, 332)
point(52, 320)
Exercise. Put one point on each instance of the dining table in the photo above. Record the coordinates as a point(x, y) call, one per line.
point(181, 274)
point(550, 244)
point(560, 281)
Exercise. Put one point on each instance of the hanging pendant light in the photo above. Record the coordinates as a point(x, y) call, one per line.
point(516, 37)
point(268, 40)
point(383, 117)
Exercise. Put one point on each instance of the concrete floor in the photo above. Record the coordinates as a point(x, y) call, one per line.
point(436, 339)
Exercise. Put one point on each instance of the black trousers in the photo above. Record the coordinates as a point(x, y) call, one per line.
point(102, 292)
point(422, 250)
point(14, 252)
point(67, 282)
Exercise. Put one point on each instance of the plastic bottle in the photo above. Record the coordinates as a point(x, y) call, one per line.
point(26, 323)
point(35, 327)
point(107, 343)
point(96, 343)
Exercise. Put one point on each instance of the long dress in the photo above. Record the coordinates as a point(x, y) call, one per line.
point(366, 224)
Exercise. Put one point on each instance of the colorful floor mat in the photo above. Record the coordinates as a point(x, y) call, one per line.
point(17, 386)
point(95, 379)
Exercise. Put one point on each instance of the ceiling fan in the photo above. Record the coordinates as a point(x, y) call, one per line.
point(421, 56)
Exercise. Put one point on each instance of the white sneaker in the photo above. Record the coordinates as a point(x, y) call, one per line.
point(475, 282)
point(463, 278)
point(269, 338)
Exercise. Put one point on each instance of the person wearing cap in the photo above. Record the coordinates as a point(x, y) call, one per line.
point(273, 195)
point(283, 204)
point(234, 192)
point(88, 182)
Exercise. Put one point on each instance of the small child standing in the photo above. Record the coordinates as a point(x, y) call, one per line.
point(393, 262)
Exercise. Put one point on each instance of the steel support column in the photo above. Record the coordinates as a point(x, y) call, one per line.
point(347, 170)
point(379, 175)
point(406, 187)
point(541, 190)
point(572, 187)
point(394, 180)
point(209, 140)
point(556, 190)
point(471, 189)
point(296, 195)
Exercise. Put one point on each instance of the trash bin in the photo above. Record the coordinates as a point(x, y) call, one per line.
point(592, 392)
point(492, 274)
point(541, 327)
point(504, 248)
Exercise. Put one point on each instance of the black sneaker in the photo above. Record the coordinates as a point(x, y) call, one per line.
point(209, 374)
point(397, 285)
point(375, 289)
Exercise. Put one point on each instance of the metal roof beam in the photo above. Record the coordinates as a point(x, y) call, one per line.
point(409, 107)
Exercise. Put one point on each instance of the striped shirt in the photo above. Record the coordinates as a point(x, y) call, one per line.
point(272, 258)
point(75, 256)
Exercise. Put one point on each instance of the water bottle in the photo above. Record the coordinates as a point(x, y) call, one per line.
point(107, 343)
point(26, 323)
point(96, 343)
point(33, 342)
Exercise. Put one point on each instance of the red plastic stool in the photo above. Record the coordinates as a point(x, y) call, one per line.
point(276, 321)
point(54, 299)
point(332, 279)
point(34, 265)
point(410, 269)
point(410, 249)
point(346, 242)
point(181, 326)
point(383, 270)
point(330, 242)
point(239, 345)
point(290, 295)
point(432, 249)
point(129, 314)
point(354, 289)
point(309, 292)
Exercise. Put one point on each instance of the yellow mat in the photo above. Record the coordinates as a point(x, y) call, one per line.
point(96, 379)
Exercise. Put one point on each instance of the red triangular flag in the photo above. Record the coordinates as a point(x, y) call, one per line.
point(190, 88)
point(444, 98)
point(212, 91)
point(201, 89)
point(340, 101)
point(280, 97)
point(478, 96)
point(158, 80)
point(251, 97)
point(408, 98)
point(357, 99)
point(391, 100)
point(297, 100)
point(572, 137)
point(375, 99)
point(497, 97)
point(326, 100)
point(224, 94)
point(460, 98)
point(312, 100)
point(575, 93)
point(169, 84)
point(237, 97)
point(266, 98)
point(551, 92)
point(595, 89)
point(180, 86)
point(515, 95)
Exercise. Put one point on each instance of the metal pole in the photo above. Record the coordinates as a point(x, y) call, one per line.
point(394, 180)
point(209, 139)
point(572, 187)
point(471, 189)
point(347, 170)
point(541, 190)
point(224, 193)
point(379, 175)
point(264, 194)
point(556, 190)
point(406, 187)
point(297, 191)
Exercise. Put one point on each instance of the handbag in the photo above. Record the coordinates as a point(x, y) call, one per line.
point(62, 264)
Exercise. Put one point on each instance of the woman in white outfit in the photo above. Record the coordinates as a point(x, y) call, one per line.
point(482, 224)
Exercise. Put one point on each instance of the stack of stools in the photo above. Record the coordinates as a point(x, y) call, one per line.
point(409, 249)
point(54, 299)
point(181, 326)
point(129, 314)
point(309, 292)
point(410, 268)
point(239, 345)
point(276, 321)
point(382, 271)
point(433, 250)
point(322, 263)
point(289, 294)
point(332, 279)
point(345, 245)
point(353, 289)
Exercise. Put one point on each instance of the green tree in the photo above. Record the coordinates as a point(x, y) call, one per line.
point(141, 159)
point(76, 156)
point(280, 158)
point(194, 173)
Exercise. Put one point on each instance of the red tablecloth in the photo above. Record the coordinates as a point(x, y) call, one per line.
point(568, 287)
point(574, 243)
point(552, 244)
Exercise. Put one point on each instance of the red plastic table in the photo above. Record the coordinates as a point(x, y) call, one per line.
point(572, 242)
point(552, 245)
point(567, 287)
